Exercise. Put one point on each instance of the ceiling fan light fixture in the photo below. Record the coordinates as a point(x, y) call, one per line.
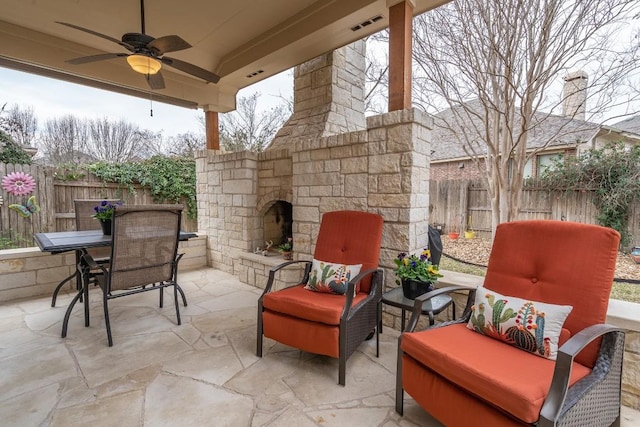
point(144, 64)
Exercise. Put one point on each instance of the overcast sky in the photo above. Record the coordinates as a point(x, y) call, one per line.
point(52, 98)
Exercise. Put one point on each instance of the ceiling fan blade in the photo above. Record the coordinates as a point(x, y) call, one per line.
point(168, 44)
point(94, 58)
point(191, 69)
point(95, 33)
point(155, 81)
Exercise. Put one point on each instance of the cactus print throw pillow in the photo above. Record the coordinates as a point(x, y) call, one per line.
point(331, 278)
point(528, 325)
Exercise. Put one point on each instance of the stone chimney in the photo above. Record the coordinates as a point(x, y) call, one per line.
point(574, 96)
point(328, 97)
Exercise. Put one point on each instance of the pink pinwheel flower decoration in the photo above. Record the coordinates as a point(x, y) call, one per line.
point(18, 183)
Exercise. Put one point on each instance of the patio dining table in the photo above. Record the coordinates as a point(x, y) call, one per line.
point(65, 241)
point(79, 241)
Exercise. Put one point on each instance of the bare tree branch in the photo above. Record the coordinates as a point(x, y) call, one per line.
point(64, 140)
point(246, 128)
point(115, 141)
point(508, 57)
point(22, 125)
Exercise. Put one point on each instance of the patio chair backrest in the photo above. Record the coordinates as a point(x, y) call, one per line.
point(350, 237)
point(84, 209)
point(145, 245)
point(557, 262)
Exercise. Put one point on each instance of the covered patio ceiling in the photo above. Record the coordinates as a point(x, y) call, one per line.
point(242, 41)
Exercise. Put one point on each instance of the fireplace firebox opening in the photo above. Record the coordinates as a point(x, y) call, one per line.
point(278, 223)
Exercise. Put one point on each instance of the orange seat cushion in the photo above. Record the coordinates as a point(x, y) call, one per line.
point(508, 378)
point(305, 304)
point(312, 337)
point(448, 403)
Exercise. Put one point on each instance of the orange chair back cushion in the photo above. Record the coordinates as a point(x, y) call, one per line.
point(350, 237)
point(557, 262)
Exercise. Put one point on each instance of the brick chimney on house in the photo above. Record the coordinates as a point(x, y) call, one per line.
point(574, 95)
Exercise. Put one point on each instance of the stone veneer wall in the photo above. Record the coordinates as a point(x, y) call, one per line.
point(384, 169)
point(234, 192)
point(275, 178)
point(631, 368)
point(227, 196)
point(326, 157)
point(328, 97)
point(28, 272)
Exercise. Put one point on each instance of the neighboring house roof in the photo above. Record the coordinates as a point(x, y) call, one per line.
point(631, 124)
point(563, 131)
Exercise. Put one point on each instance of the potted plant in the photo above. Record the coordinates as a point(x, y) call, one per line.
point(415, 273)
point(286, 248)
point(469, 233)
point(456, 225)
point(104, 213)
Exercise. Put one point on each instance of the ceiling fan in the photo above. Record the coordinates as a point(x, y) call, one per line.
point(147, 54)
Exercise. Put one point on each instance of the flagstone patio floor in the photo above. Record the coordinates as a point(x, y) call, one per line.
point(202, 373)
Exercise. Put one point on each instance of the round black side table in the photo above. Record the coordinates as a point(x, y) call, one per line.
point(435, 305)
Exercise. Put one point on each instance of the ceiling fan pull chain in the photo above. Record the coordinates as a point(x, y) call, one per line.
point(151, 103)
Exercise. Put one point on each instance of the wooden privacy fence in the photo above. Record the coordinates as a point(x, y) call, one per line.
point(55, 198)
point(458, 204)
point(13, 226)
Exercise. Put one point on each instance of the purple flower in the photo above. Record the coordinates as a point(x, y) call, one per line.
point(104, 210)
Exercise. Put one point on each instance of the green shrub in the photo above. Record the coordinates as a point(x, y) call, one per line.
point(12, 153)
point(612, 173)
point(169, 179)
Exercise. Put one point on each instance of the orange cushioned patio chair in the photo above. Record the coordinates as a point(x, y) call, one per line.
point(335, 319)
point(547, 286)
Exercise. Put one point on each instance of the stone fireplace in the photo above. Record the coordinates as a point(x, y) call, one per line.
point(327, 157)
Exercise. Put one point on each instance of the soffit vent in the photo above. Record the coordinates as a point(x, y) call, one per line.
point(366, 23)
point(255, 73)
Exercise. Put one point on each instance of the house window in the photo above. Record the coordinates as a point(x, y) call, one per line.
point(545, 161)
point(528, 169)
point(542, 163)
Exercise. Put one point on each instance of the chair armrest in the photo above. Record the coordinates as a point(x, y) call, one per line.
point(88, 260)
point(376, 289)
point(275, 269)
point(419, 301)
point(554, 404)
